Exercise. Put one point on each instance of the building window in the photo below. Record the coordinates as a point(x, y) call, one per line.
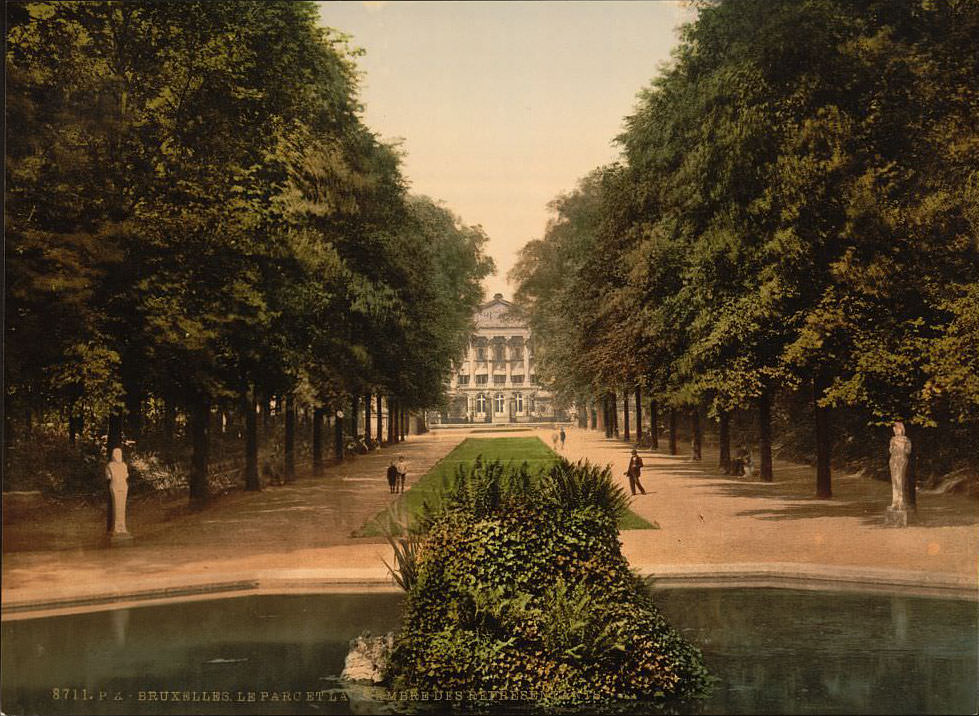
point(518, 402)
point(533, 379)
point(516, 352)
point(480, 353)
point(463, 379)
point(498, 352)
point(516, 379)
point(499, 379)
point(500, 403)
point(480, 403)
point(481, 378)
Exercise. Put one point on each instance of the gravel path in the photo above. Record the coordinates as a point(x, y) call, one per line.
point(298, 536)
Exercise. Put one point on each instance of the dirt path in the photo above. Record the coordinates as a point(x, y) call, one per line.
point(288, 526)
point(299, 534)
point(709, 518)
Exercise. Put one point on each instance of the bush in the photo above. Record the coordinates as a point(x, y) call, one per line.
point(523, 589)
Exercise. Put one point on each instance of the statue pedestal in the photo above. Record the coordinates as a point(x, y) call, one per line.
point(122, 539)
point(898, 516)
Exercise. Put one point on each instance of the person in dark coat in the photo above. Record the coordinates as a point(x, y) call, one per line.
point(392, 477)
point(634, 471)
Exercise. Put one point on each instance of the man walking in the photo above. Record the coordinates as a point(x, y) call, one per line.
point(635, 469)
point(402, 468)
point(563, 436)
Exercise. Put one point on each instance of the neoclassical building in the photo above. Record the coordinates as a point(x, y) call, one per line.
point(495, 382)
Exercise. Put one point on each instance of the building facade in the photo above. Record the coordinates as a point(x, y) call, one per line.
point(496, 382)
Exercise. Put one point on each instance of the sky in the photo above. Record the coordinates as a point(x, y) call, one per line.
point(501, 106)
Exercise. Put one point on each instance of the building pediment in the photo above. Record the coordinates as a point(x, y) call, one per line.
point(498, 313)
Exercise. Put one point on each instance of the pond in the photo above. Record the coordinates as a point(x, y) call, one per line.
point(773, 651)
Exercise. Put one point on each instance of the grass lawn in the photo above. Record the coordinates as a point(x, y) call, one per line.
point(535, 453)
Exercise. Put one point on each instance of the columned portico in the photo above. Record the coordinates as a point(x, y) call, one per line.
point(495, 381)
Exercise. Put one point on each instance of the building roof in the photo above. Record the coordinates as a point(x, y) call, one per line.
point(498, 313)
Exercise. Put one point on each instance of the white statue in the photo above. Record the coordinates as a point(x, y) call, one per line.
point(117, 474)
point(900, 452)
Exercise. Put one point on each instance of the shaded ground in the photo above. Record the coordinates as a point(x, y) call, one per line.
point(705, 518)
point(710, 518)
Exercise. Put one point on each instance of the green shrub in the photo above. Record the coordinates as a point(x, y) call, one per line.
point(524, 589)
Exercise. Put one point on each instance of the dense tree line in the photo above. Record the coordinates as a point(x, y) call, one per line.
point(794, 222)
point(197, 219)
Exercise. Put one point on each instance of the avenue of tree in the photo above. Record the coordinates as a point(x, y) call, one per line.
point(197, 220)
point(793, 229)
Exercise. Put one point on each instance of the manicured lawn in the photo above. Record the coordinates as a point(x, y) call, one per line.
point(535, 453)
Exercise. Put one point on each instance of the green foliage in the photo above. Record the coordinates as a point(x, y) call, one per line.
point(796, 207)
point(196, 211)
point(526, 589)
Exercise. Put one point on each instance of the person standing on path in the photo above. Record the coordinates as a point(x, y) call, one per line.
point(402, 468)
point(634, 471)
point(563, 436)
point(392, 477)
point(554, 438)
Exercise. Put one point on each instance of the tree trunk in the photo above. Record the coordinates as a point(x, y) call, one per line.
point(607, 404)
point(251, 440)
point(824, 441)
point(654, 424)
point(200, 425)
point(134, 414)
point(290, 446)
point(266, 413)
point(391, 418)
point(696, 439)
point(355, 416)
point(725, 442)
point(380, 421)
point(672, 431)
point(614, 403)
point(765, 434)
point(404, 424)
point(367, 418)
point(115, 433)
point(638, 415)
point(169, 422)
point(625, 415)
point(317, 441)
point(593, 415)
point(337, 437)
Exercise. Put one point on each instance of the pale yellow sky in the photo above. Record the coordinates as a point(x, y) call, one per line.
point(503, 105)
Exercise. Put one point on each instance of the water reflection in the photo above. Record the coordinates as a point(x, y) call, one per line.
point(774, 651)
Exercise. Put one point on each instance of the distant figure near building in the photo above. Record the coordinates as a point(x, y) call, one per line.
point(900, 453)
point(554, 438)
point(117, 476)
point(634, 471)
point(392, 477)
point(563, 436)
point(402, 468)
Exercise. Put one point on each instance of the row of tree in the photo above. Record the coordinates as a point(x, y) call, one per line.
point(796, 212)
point(197, 218)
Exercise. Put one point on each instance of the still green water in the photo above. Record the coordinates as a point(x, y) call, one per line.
point(773, 651)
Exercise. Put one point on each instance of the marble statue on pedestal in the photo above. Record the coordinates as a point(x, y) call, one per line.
point(117, 475)
point(899, 512)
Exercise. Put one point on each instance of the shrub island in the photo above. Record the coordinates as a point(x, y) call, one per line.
point(519, 586)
